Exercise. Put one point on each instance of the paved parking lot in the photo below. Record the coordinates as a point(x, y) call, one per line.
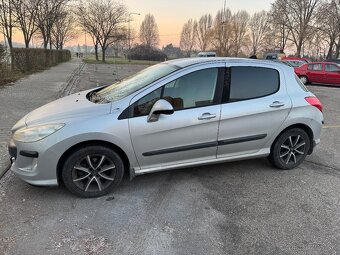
point(243, 207)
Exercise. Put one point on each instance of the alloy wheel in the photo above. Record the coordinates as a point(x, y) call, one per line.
point(304, 79)
point(292, 149)
point(93, 173)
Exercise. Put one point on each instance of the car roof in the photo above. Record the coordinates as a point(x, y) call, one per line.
point(185, 62)
point(331, 63)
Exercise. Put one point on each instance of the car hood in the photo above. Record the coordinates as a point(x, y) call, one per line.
point(73, 106)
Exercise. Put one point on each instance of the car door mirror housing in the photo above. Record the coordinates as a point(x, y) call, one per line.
point(160, 107)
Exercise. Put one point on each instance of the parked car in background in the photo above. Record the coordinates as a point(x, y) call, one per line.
point(319, 72)
point(274, 56)
point(294, 63)
point(176, 114)
point(209, 54)
point(335, 60)
point(304, 60)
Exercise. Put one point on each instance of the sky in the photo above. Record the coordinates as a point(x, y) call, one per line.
point(170, 15)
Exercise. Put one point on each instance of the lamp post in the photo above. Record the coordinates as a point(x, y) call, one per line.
point(131, 13)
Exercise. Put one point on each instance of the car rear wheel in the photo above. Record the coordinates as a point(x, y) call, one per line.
point(304, 79)
point(290, 149)
point(92, 171)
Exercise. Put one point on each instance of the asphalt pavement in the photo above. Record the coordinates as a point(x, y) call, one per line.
point(245, 207)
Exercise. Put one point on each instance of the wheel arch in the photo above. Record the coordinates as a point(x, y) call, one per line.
point(305, 128)
point(109, 145)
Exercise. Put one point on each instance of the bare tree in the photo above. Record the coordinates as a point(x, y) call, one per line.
point(222, 30)
point(26, 12)
point(102, 19)
point(87, 20)
point(188, 37)
point(148, 33)
point(299, 17)
point(259, 27)
point(7, 20)
point(63, 29)
point(279, 32)
point(329, 23)
point(240, 24)
point(204, 31)
point(48, 12)
point(337, 48)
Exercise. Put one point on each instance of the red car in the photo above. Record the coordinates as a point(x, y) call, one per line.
point(319, 72)
point(296, 58)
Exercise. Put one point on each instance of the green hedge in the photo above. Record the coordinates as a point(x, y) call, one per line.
point(28, 60)
point(144, 52)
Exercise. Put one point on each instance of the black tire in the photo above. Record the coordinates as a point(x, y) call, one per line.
point(290, 149)
point(92, 171)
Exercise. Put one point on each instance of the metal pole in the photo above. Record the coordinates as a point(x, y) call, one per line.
point(131, 13)
point(85, 46)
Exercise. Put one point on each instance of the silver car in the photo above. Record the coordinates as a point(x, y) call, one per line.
point(176, 114)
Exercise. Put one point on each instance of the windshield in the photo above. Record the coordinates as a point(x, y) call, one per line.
point(130, 85)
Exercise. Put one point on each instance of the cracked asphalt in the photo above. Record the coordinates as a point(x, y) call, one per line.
point(245, 207)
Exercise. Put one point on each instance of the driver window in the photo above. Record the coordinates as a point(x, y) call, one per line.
point(196, 89)
point(143, 106)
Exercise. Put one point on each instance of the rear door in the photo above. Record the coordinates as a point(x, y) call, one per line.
point(332, 74)
point(255, 106)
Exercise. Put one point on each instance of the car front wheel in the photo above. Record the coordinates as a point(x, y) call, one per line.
point(92, 171)
point(290, 149)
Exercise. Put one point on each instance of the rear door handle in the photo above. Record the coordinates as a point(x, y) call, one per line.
point(277, 104)
point(207, 116)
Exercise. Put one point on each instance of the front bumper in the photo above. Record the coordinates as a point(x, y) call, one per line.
point(34, 163)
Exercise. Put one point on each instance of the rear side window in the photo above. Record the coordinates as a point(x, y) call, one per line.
point(315, 67)
point(331, 68)
point(253, 82)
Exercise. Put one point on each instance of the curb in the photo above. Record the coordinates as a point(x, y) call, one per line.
point(70, 83)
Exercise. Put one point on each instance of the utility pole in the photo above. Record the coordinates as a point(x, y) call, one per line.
point(132, 13)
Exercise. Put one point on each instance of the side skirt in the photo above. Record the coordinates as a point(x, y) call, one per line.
point(260, 154)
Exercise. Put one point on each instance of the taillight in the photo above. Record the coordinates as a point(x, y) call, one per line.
point(314, 101)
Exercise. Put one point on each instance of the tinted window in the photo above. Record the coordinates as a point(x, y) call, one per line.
point(332, 68)
point(253, 82)
point(315, 67)
point(192, 90)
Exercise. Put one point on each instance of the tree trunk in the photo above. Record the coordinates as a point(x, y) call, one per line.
point(27, 43)
point(96, 51)
point(298, 50)
point(337, 51)
point(330, 50)
point(103, 54)
point(10, 43)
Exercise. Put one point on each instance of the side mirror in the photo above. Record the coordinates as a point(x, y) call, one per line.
point(160, 107)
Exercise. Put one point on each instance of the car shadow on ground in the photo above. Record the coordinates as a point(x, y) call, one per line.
point(214, 174)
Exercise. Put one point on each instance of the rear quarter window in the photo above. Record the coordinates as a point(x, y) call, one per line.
point(253, 82)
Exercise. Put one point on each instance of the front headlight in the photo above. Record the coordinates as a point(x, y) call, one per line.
point(36, 133)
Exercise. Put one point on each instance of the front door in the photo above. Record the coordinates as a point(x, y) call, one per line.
point(190, 133)
point(315, 73)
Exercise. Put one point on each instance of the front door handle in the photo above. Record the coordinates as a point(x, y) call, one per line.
point(277, 104)
point(207, 116)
